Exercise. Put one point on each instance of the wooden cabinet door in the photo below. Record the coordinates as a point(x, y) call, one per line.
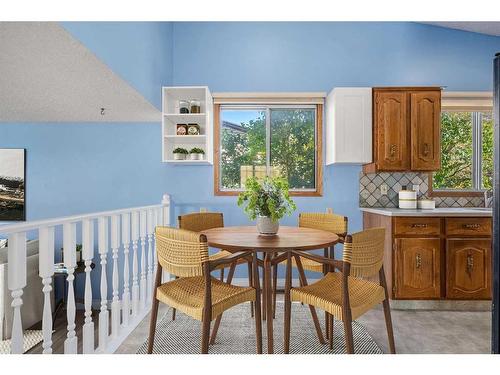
point(418, 268)
point(425, 124)
point(391, 130)
point(468, 268)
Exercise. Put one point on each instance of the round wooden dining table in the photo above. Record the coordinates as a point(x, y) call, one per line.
point(246, 238)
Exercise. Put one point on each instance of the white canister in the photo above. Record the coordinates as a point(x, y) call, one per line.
point(408, 199)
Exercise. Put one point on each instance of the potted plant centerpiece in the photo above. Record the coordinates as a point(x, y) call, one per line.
point(267, 200)
point(196, 153)
point(180, 153)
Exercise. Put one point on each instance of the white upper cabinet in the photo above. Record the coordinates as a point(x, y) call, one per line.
point(349, 125)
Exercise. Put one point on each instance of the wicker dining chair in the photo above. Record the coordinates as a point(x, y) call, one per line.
point(344, 295)
point(196, 293)
point(200, 221)
point(325, 221)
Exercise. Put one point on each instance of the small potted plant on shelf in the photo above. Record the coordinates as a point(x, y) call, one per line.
point(196, 153)
point(266, 200)
point(180, 153)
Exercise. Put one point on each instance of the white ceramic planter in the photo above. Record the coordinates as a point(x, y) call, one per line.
point(196, 156)
point(179, 156)
point(266, 226)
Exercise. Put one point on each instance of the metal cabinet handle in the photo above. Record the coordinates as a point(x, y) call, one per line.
point(471, 226)
point(418, 261)
point(392, 149)
point(470, 264)
point(417, 225)
point(426, 149)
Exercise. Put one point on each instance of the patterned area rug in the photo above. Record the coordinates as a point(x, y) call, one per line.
point(31, 338)
point(237, 334)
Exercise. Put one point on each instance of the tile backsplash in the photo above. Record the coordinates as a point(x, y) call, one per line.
point(370, 195)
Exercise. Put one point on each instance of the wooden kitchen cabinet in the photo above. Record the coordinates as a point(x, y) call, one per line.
point(417, 268)
point(436, 257)
point(391, 131)
point(468, 268)
point(425, 124)
point(406, 129)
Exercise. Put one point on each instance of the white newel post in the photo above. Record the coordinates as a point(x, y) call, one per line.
point(88, 255)
point(126, 272)
point(143, 264)
point(46, 271)
point(17, 281)
point(115, 305)
point(155, 254)
point(103, 315)
point(150, 228)
point(135, 267)
point(69, 251)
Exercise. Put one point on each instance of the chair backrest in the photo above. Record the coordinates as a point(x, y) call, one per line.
point(365, 252)
point(198, 221)
point(325, 221)
point(181, 252)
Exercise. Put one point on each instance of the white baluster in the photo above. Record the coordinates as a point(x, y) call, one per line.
point(46, 270)
point(88, 255)
point(115, 305)
point(150, 229)
point(135, 268)
point(126, 272)
point(69, 246)
point(17, 281)
point(143, 264)
point(103, 315)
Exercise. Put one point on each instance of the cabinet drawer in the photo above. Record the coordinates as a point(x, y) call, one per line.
point(468, 226)
point(417, 225)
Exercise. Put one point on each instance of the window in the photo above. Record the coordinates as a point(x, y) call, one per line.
point(466, 152)
point(268, 140)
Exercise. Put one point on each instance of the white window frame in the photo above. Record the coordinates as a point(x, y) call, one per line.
point(267, 108)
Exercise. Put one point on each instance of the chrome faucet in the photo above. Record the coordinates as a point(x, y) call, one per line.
point(488, 198)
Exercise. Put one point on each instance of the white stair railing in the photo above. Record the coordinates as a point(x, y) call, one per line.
point(115, 230)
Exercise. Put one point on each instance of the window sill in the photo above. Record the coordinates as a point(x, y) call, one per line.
point(456, 193)
point(225, 193)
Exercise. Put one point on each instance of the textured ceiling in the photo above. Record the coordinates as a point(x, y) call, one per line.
point(46, 75)
point(489, 28)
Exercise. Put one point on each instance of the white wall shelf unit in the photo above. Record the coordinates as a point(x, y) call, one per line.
point(349, 126)
point(172, 116)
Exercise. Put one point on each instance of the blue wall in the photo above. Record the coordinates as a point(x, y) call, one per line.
point(139, 52)
point(75, 168)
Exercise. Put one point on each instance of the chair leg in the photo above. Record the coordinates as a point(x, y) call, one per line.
point(330, 330)
point(173, 309)
point(275, 288)
point(303, 281)
point(327, 323)
point(349, 343)
point(258, 318)
point(205, 334)
point(152, 325)
point(217, 321)
point(250, 283)
point(222, 274)
point(387, 312)
point(154, 312)
point(388, 323)
point(288, 305)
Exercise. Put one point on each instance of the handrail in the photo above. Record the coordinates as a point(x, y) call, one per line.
point(33, 225)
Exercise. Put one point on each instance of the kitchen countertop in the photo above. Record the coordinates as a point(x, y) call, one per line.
point(451, 211)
